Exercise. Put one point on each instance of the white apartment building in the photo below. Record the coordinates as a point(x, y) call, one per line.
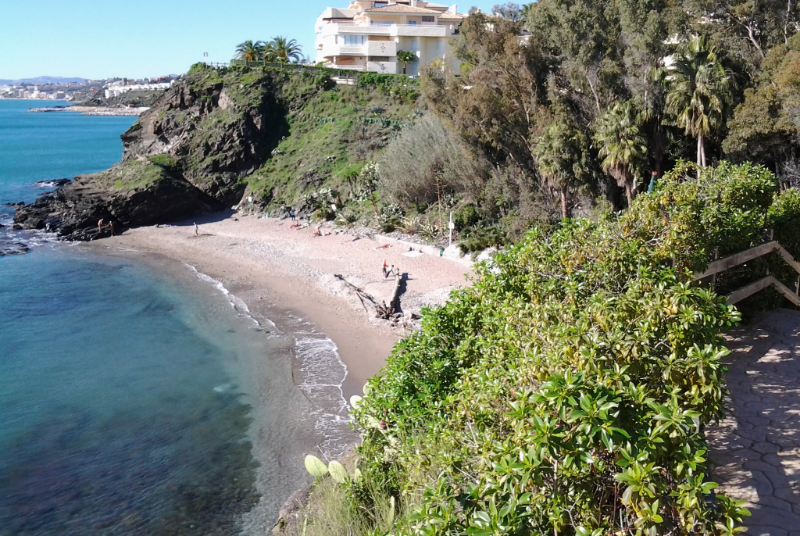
point(367, 35)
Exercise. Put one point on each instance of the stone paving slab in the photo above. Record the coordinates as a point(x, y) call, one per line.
point(755, 450)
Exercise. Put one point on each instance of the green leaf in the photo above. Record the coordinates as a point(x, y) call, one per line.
point(338, 472)
point(315, 466)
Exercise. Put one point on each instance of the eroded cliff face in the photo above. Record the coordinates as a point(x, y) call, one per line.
point(186, 155)
point(215, 129)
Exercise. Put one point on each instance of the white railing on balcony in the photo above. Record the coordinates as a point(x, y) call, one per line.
point(391, 30)
point(349, 49)
point(382, 67)
point(370, 48)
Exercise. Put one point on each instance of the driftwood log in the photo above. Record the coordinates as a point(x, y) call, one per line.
point(381, 310)
point(384, 311)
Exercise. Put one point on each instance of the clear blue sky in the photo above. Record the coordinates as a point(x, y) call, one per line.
point(100, 39)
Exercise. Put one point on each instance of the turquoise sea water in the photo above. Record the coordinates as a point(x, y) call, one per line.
point(134, 397)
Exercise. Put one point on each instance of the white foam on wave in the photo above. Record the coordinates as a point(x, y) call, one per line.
point(31, 238)
point(236, 303)
point(323, 377)
point(323, 374)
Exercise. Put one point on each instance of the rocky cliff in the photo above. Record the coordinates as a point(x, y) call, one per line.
point(186, 155)
point(284, 135)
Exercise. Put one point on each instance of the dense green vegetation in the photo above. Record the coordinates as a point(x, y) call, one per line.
point(134, 175)
point(567, 390)
point(644, 83)
point(332, 133)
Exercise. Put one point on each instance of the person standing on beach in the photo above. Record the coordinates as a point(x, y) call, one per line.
point(111, 227)
point(196, 229)
point(385, 272)
point(100, 226)
point(291, 213)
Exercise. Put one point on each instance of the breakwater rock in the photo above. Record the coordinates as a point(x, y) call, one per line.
point(186, 155)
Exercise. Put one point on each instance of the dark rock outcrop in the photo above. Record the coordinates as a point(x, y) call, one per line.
point(184, 156)
point(213, 128)
point(289, 515)
point(128, 195)
point(55, 183)
point(13, 249)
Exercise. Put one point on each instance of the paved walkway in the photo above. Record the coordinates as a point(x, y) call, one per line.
point(756, 449)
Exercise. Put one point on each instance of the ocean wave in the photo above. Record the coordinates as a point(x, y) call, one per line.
point(236, 303)
point(14, 241)
point(322, 370)
point(323, 374)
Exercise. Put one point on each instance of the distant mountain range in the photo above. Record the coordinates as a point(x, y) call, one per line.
point(41, 80)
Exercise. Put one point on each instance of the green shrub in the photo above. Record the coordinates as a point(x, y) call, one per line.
point(397, 85)
point(466, 216)
point(688, 219)
point(164, 160)
point(198, 67)
point(478, 238)
point(567, 390)
point(782, 219)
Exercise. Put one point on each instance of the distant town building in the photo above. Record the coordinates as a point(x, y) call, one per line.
point(368, 34)
point(115, 89)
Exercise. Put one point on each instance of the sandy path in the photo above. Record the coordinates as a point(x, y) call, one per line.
point(276, 269)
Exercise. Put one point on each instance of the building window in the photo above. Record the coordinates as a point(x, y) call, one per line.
point(412, 22)
point(381, 4)
point(354, 40)
point(426, 18)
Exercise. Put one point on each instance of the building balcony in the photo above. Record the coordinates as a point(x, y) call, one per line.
point(390, 30)
point(382, 67)
point(370, 48)
point(381, 48)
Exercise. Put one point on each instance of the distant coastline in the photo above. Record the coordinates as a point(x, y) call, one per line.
point(92, 110)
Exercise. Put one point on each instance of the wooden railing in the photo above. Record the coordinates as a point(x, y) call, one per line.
point(747, 255)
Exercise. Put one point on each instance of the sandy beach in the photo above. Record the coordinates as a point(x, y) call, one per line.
point(280, 272)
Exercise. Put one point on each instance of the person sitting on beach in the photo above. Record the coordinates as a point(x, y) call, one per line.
point(294, 226)
point(317, 232)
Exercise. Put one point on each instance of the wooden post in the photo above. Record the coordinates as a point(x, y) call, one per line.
point(714, 277)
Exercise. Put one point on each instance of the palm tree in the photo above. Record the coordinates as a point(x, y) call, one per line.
point(559, 158)
point(283, 50)
point(405, 57)
point(699, 91)
point(250, 51)
point(621, 144)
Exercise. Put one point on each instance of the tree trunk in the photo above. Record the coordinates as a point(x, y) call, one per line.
point(629, 192)
point(751, 31)
point(374, 206)
point(659, 146)
point(564, 203)
point(701, 153)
